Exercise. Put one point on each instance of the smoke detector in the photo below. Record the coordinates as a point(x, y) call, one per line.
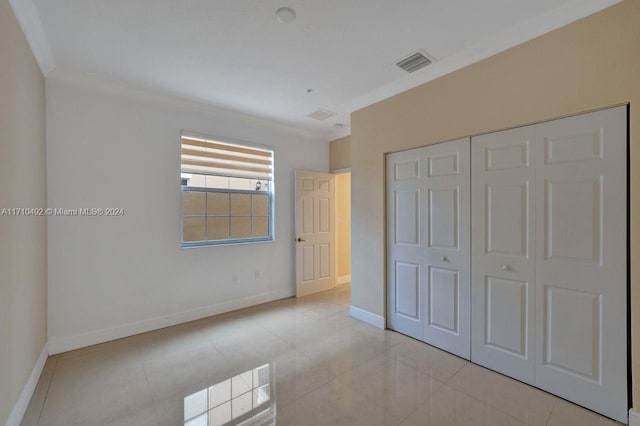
point(285, 15)
point(415, 61)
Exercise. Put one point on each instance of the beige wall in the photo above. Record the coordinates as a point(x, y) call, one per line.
point(23, 259)
point(340, 154)
point(590, 64)
point(343, 224)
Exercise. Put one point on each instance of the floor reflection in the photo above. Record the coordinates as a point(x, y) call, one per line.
point(245, 399)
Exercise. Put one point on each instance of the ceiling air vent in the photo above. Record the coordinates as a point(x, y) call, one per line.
point(321, 114)
point(414, 62)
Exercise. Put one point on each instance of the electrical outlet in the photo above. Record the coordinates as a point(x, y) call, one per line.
point(235, 278)
point(257, 274)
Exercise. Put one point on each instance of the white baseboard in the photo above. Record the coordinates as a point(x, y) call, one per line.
point(634, 418)
point(61, 344)
point(15, 418)
point(344, 279)
point(366, 316)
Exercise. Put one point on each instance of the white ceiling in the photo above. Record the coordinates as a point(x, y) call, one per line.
point(235, 54)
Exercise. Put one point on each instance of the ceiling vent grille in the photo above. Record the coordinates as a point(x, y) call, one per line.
point(321, 114)
point(414, 62)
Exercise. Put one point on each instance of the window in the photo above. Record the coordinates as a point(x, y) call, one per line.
point(227, 192)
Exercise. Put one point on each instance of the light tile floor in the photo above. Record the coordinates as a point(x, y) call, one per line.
point(325, 368)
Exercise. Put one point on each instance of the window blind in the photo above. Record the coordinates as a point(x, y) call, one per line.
point(206, 157)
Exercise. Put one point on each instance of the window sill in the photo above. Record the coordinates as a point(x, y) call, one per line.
point(226, 243)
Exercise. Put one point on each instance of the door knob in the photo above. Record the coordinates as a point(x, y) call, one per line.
point(300, 240)
point(506, 268)
point(444, 258)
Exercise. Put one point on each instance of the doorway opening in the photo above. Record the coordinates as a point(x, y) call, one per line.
point(343, 228)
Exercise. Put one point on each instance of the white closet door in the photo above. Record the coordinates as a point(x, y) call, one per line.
point(447, 247)
point(503, 296)
point(406, 264)
point(428, 226)
point(581, 199)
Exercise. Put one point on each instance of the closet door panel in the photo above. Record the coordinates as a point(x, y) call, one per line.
point(406, 266)
point(448, 250)
point(428, 241)
point(581, 199)
point(503, 281)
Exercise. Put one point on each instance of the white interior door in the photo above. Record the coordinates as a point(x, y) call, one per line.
point(428, 271)
point(406, 264)
point(503, 250)
point(581, 260)
point(549, 278)
point(447, 247)
point(315, 224)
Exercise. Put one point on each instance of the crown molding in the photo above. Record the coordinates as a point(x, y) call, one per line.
point(140, 93)
point(29, 20)
point(504, 40)
point(343, 131)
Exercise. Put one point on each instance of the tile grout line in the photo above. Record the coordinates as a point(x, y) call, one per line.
point(431, 394)
point(453, 375)
point(332, 376)
point(146, 379)
point(407, 416)
point(511, 416)
point(551, 413)
point(488, 403)
point(46, 393)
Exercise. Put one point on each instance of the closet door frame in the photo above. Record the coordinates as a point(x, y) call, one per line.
point(518, 274)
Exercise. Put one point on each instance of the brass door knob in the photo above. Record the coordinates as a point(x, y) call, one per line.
point(300, 240)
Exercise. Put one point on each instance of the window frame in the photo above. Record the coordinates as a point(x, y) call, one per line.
point(270, 195)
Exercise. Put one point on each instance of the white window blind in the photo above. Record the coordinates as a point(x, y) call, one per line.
point(205, 157)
